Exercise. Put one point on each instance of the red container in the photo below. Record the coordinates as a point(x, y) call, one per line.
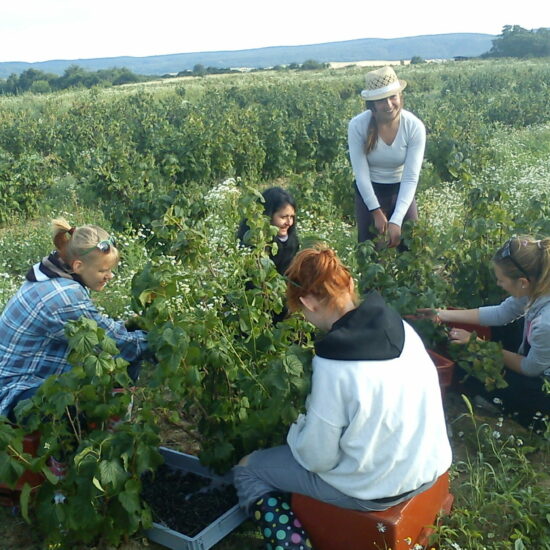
point(10, 496)
point(445, 369)
point(399, 527)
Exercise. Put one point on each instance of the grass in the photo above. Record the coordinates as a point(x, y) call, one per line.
point(500, 482)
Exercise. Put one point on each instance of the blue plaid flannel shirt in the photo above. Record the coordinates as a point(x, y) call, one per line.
point(33, 345)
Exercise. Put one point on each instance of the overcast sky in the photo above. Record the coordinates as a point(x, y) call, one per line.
point(40, 30)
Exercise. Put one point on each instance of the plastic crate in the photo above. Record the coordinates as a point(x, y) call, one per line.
point(209, 535)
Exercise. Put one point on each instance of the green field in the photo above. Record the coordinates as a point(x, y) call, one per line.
point(171, 169)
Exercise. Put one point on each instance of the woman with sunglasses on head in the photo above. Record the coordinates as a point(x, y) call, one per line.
point(374, 432)
point(386, 148)
point(522, 269)
point(33, 345)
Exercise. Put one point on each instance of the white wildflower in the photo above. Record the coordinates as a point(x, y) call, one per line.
point(59, 498)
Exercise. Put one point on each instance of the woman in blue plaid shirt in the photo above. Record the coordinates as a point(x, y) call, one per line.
point(33, 345)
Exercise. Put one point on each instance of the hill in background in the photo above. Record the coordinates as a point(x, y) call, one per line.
point(436, 46)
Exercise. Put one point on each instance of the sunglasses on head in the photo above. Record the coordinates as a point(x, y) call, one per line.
point(506, 252)
point(103, 246)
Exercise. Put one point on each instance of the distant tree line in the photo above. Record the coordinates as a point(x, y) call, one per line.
point(308, 65)
point(515, 41)
point(40, 82)
point(201, 70)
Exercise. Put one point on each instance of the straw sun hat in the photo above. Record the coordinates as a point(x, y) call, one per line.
point(382, 83)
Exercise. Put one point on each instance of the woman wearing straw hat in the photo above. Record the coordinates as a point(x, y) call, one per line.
point(386, 147)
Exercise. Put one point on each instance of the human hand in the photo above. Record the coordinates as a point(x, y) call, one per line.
point(394, 231)
point(427, 313)
point(459, 336)
point(380, 221)
point(134, 323)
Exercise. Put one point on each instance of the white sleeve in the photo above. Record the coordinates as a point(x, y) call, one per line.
point(315, 444)
point(314, 438)
point(411, 171)
point(357, 136)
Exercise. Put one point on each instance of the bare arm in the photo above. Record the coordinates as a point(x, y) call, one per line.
point(468, 316)
point(513, 361)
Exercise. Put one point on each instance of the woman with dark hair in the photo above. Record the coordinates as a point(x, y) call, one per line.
point(386, 148)
point(374, 432)
point(280, 207)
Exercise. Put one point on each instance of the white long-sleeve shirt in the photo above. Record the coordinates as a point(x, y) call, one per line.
point(374, 429)
point(399, 162)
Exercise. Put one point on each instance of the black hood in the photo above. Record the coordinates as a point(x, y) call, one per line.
point(372, 331)
point(52, 267)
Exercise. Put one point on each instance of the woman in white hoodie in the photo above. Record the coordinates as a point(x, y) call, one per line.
point(374, 431)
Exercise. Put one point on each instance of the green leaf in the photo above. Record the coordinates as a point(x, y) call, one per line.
point(112, 473)
point(169, 337)
point(148, 458)
point(10, 469)
point(104, 364)
point(24, 501)
point(49, 475)
point(109, 346)
point(97, 484)
point(60, 401)
point(82, 336)
point(130, 497)
point(468, 404)
point(293, 365)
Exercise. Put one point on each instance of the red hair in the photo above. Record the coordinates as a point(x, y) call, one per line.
point(318, 271)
